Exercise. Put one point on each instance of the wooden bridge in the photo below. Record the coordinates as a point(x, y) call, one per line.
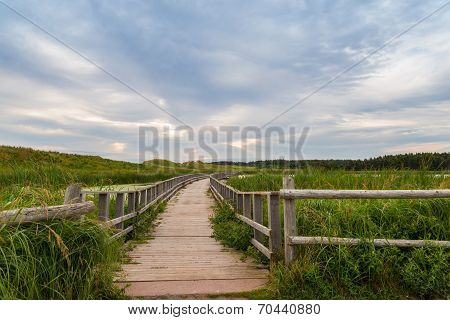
point(182, 258)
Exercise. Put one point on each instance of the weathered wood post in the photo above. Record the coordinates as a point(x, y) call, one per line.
point(290, 222)
point(153, 192)
point(273, 205)
point(240, 202)
point(247, 206)
point(143, 197)
point(73, 194)
point(120, 207)
point(257, 215)
point(103, 206)
point(136, 200)
point(131, 202)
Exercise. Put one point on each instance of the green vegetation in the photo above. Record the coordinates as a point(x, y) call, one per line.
point(58, 260)
point(232, 232)
point(75, 260)
point(34, 178)
point(363, 271)
point(64, 259)
point(414, 161)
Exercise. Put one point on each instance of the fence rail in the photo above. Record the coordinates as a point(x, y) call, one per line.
point(248, 206)
point(249, 209)
point(75, 205)
point(138, 200)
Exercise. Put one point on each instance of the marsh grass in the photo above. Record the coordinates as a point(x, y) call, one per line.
point(60, 259)
point(64, 259)
point(363, 271)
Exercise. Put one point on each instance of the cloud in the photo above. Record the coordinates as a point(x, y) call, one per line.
point(210, 64)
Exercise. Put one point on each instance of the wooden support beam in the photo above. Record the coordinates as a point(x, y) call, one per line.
point(376, 242)
point(258, 245)
point(120, 208)
point(273, 205)
point(131, 202)
point(264, 230)
point(136, 200)
point(364, 194)
point(73, 194)
point(28, 215)
point(258, 215)
point(103, 206)
point(143, 198)
point(290, 222)
point(247, 210)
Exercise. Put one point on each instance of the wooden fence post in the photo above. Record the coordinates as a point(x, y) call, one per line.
point(143, 197)
point(257, 215)
point(273, 205)
point(73, 194)
point(103, 206)
point(290, 222)
point(136, 200)
point(240, 202)
point(120, 204)
point(248, 206)
point(131, 202)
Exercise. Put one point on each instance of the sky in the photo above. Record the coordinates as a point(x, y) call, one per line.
point(225, 63)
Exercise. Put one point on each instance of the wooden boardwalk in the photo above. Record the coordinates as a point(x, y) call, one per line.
point(183, 259)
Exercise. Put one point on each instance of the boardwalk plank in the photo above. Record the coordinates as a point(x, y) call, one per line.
point(182, 258)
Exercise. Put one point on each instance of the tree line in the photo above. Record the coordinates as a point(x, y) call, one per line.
point(412, 161)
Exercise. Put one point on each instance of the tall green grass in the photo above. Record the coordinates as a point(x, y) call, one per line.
point(60, 259)
point(64, 259)
point(363, 271)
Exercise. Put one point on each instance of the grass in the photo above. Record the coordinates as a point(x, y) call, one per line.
point(63, 259)
point(74, 259)
point(60, 259)
point(363, 271)
point(35, 178)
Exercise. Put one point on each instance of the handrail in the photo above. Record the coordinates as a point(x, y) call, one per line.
point(248, 209)
point(138, 188)
point(363, 194)
point(139, 200)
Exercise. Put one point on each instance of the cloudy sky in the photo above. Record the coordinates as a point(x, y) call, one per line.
point(226, 63)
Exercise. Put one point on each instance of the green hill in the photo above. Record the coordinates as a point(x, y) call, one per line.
point(27, 157)
point(32, 177)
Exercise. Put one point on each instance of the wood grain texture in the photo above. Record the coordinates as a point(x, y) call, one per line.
point(70, 211)
point(290, 222)
point(183, 259)
point(376, 242)
point(363, 194)
point(73, 194)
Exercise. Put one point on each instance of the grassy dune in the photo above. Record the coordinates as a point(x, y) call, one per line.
point(339, 272)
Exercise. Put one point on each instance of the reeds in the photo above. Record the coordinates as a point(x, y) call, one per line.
point(363, 271)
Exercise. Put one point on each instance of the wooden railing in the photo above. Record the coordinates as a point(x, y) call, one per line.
point(138, 200)
point(75, 205)
point(243, 202)
point(249, 209)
